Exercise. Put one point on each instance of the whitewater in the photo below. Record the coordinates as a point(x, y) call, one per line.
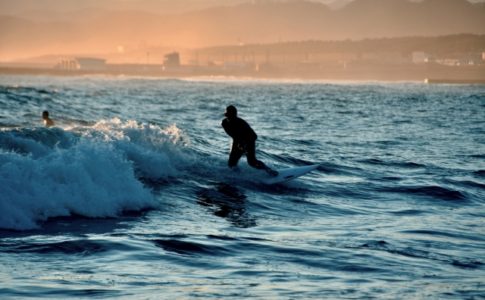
point(129, 195)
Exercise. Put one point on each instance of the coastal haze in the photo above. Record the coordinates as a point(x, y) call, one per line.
point(328, 39)
point(123, 31)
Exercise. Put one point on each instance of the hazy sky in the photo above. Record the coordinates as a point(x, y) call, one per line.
point(31, 28)
point(17, 6)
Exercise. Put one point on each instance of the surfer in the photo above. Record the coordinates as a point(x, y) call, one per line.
point(47, 121)
point(243, 141)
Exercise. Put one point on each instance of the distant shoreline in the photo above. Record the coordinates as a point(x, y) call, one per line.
point(464, 75)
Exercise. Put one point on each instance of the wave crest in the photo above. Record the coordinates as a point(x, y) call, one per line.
point(91, 171)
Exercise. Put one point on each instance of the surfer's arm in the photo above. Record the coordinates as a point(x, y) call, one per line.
point(249, 134)
point(48, 123)
point(228, 129)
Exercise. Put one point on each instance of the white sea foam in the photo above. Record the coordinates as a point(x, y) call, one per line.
point(93, 176)
point(156, 152)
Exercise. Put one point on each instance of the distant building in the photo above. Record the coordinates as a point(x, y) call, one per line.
point(419, 57)
point(91, 63)
point(67, 64)
point(449, 62)
point(172, 60)
point(462, 59)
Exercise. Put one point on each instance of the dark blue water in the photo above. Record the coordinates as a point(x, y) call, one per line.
point(129, 195)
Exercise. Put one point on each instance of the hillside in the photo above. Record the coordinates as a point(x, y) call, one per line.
point(108, 31)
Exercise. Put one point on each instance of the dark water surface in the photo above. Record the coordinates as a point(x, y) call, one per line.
point(130, 197)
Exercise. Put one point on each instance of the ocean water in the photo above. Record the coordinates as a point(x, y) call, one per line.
point(129, 196)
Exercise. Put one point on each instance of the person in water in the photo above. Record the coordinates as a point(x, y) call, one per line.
point(47, 121)
point(243, 141)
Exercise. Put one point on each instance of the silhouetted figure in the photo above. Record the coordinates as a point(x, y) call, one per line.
point(243, 141)
point(47, 121)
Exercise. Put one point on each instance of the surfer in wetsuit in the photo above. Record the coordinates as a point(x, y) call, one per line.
point(243, 141)
point(47, 121)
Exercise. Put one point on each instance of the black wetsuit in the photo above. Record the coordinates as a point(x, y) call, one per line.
point(243, 142)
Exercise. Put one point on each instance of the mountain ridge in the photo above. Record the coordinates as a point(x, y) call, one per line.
point(259, 22)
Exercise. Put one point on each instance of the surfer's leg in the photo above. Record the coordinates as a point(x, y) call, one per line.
point(251, 157)
point(234, 156)
point(255, 163)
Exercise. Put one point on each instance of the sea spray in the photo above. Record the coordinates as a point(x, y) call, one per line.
point(156, 152)
point(95, 174)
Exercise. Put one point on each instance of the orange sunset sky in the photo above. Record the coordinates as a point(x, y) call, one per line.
point(33, 28)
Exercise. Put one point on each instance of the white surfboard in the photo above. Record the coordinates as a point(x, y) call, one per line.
point(289, 174)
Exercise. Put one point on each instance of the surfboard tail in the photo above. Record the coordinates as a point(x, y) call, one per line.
point(290, 174)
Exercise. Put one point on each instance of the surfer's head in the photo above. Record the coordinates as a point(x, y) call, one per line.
point(231, 112)
point(45, 114)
